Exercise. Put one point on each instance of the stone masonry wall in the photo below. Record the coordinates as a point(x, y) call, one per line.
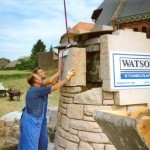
point(9, 134)
point(76, 129)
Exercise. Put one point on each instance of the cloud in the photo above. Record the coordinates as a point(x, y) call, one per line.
point(24, 22)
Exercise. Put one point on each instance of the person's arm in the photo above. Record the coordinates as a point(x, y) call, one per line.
point(54, 79)
point(71, 73)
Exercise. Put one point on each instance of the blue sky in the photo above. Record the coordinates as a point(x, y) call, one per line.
point(24, 22)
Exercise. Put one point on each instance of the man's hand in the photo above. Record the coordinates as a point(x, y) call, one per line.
point(71, 72)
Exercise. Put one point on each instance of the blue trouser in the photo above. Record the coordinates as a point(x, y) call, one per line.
point(33, 133)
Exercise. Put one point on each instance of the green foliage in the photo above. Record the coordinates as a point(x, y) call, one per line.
point(13, 74)
point(38, 47)
point(51, 48)
point(5, 59)
point(25, 64)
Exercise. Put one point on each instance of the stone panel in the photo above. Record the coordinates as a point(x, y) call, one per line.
point(71, 145)
point(108, 102)
point(89, 109)
point(108, 95)
point(85, 125)
point(76, 59)
point(109, 147)
point(93, 96)
point(61, 131)
point(75, 111)
point(99, 146)
point(67, 99)
point(93, 137)
point(71, 137)
point(65, 122)
point(132, 96)
point(71, 89)
point(85, 146)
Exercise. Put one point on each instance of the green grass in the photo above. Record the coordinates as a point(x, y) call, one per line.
point(7, 106)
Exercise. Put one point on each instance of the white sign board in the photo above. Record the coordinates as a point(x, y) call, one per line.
point(129, 70)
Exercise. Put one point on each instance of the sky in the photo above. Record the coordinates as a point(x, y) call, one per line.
point(24, 22)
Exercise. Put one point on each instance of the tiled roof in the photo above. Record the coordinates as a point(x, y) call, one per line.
point(130, 8)
point(135, 7)
point(82, 26)
point(109, 7)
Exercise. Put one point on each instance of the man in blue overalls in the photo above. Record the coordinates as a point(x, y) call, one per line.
point(33, 128)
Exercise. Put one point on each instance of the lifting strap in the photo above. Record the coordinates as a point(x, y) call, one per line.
point(68, 45)
point(66, 23)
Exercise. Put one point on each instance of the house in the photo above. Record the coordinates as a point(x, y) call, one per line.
point(81, 27)
point(12, 64)
point(133, 14)
point(3, 62)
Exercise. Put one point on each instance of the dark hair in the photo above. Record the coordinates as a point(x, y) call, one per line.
point(36, 70)
point(30, 79)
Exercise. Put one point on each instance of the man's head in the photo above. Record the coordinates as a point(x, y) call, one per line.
point(34, 80)
point(39, 72)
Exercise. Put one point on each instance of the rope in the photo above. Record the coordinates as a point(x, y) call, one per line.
point(66, 22)
point(69, 44)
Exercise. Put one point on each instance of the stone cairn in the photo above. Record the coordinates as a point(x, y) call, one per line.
point(76, 129)
point(9, 133)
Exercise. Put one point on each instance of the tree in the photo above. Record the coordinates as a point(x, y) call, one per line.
point(38, 47)
point(51, 48)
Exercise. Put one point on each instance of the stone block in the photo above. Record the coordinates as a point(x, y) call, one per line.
point(61, 141)
point(71, 145)
point(72, 137)
point(8, 131)
point(132, 108)
point(60, 148)
point(71, 90)
point(121, 41)
point(67, 94)
point(67, 100)
point(102, 28)
point(92, 41)
point(93, 137)
point(89, 109)
point(120, 108)
point(108, 95)
point(108, 102)
point(93, 96)
point(85, 146)
point(73, 131)
point(2, 131)
point(61, 131)
point(16, 131)
point(85, 125)
point(65, 122)
point(104, 67)
point(59, 116)
point(62, 110)
point(9, 123)
point(99, 146)
point(110, 147)
point(76, 59)
point(107, 86)
point(132, 96)
point(2, 123)
point(63, 105)
point(75, 111)
point(93, 48)
point(87, 118)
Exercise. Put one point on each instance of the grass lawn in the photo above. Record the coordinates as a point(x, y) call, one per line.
point(7, 106)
